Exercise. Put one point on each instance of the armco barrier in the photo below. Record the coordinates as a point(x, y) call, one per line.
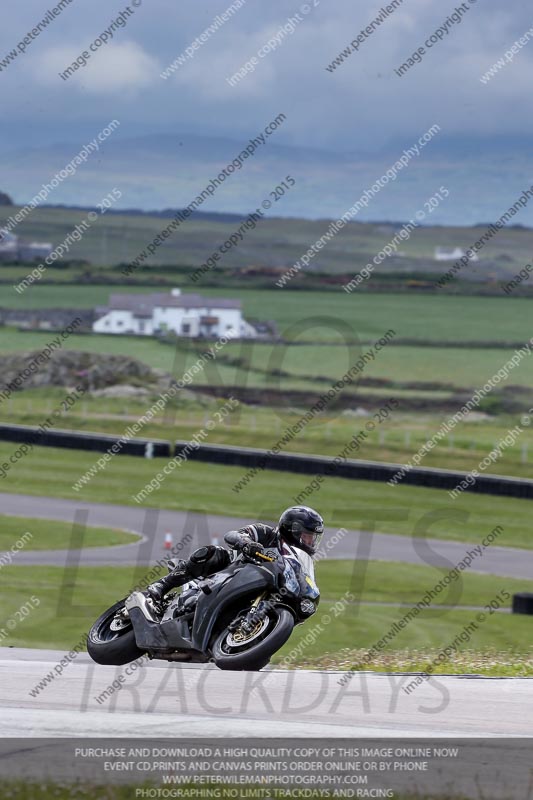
point(248, 457)
point(75, 440)
point(362, 470)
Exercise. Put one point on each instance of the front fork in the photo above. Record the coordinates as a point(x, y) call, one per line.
point(252, 617)
point(258, 600)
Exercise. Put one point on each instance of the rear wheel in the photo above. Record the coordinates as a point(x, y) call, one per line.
point(111, 640)
point(253, 650)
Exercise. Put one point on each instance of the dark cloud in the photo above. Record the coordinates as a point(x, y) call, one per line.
point(360, 105)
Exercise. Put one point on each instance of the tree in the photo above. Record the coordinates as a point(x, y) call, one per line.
point(5, 199)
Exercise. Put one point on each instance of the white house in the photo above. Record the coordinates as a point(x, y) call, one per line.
point(12, 249)
point(184, 314)
point(9, 247)
point(452, 254)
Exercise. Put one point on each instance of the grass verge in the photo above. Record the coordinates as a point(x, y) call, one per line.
point(394, 440)
point(489, 662)
point(51, 535)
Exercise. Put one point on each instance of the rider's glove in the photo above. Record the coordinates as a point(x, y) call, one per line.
point(239, 541)
point(236, 540)
point(251, 549)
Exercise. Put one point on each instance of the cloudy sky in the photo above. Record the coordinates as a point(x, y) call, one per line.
point(362, 106)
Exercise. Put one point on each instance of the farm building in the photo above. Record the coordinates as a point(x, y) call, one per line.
point(183, 314)
point(452, 254)
point(12, 249)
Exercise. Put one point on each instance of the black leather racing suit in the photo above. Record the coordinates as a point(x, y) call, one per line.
point(207, 560)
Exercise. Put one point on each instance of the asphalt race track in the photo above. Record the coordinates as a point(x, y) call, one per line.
point(200, 529)
point(163, 699)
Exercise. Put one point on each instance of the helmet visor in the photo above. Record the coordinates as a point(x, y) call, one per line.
point(311, 539)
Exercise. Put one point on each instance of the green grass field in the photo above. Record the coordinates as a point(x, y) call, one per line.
point(207, 488)
point(53, 535)
point(501, 646)
point(428, 318)
point(395, 440)
point(454, 369)
point(422, 376)
point(120, 238)
point(81, 597)
point(402, 370)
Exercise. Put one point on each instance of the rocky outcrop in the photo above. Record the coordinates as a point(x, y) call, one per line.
point(48, 319)
point(93, 371)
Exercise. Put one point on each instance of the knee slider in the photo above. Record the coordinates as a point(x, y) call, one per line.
point(203, 554)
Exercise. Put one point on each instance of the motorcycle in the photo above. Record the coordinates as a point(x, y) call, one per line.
point(237, 618)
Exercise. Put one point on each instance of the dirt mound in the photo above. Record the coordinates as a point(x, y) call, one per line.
point(29, 370)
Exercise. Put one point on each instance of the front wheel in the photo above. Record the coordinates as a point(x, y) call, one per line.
point(111, 640)
point(252, 651)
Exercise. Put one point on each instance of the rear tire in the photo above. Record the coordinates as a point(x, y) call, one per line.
point(257, 656)
point(112, 648)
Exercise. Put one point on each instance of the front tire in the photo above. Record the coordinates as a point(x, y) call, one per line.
point(109, 647)
point(258, 654)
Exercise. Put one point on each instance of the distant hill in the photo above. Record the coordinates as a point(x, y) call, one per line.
point(165, 213)
point(5, 199)
point(484, 177)
point(268, 250)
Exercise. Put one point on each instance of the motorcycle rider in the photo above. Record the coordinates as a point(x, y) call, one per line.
point(296, 537)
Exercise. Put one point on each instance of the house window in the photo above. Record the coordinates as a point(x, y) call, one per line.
point(186, 328)
point(120, 323)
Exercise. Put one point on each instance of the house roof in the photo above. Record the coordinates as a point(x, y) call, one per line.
point(145, 303)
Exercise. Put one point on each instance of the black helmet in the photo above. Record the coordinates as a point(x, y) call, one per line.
point(303, 527)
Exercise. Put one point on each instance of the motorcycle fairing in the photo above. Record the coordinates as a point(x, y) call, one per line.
point(228, 586)
point(154, 636)
point(225, 589)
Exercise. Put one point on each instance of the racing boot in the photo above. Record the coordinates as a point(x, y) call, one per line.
point(178, 575)
point(203, 562)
